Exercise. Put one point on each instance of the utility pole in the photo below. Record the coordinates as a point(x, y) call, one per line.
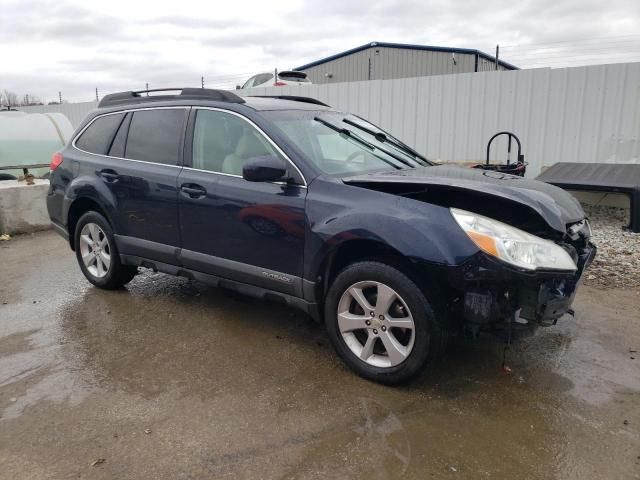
point(97, 99)
point(202, 81)
point(60, 97)
point(497, 55)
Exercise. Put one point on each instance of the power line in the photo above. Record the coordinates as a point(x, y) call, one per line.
point(526, 55)
point(631, 43)
point(569, 53)
point(592, 39)
point(571, 56)
point(594, 48)
point(575, 54)
point(567, 48)
point(574, 63)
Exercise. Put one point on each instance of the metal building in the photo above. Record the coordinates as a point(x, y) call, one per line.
point(386, 61)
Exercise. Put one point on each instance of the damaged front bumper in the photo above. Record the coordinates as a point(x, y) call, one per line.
point(494, 295)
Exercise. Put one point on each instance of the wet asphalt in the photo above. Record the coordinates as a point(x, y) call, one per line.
point(170, 378)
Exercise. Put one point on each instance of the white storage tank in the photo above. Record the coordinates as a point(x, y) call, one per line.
point(31, 138)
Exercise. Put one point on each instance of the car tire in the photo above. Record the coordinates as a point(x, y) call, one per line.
point(410, 349)
point(97, 253)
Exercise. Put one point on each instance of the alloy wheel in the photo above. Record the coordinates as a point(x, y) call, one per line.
point(95, 250)
point(376, 324)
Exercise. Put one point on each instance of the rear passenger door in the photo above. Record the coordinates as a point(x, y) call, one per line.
point(140, 172)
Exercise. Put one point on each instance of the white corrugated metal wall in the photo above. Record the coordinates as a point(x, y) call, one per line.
point(583, 114)
point(75, 112)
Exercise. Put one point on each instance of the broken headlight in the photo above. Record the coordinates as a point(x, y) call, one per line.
point(511, 244)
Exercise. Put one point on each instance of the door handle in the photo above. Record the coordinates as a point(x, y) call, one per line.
point(109, 176)
point(193, 190)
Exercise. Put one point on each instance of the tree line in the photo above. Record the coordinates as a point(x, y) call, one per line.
point(9, 100)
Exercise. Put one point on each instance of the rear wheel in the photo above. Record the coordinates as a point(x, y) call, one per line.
point(381, 323)
point(97, 253)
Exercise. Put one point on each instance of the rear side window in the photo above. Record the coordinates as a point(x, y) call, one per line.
point(263, 78)
point(155, 135)
point(98, 136)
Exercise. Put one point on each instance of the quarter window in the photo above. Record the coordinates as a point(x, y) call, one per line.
point(223, 142)
point(98, 136)
point(155, 135)
point(118, 144)
point(262, 78)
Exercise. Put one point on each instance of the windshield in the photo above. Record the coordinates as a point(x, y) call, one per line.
point(342, 144)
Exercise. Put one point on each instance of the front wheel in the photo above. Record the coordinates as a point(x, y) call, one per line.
point(380, 322)
point(97, 253)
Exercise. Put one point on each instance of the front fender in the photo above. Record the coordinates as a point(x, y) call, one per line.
point(419, 231)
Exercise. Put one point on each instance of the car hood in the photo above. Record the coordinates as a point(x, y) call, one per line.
point(556, 207)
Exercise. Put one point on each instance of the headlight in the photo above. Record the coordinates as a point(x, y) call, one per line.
point(511, 244)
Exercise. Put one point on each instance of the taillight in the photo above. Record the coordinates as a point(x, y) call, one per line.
point(279, 84)
point(56, 160)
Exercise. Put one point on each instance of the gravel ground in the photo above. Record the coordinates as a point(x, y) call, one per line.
point(617, 263)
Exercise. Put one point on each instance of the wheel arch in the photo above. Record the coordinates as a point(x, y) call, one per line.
point(358, 250)
point(79, 207)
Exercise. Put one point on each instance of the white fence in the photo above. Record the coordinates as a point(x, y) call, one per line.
point(75, 112)
point(584, 114)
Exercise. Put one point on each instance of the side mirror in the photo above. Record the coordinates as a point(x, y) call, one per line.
point(266, 168)
point(238, 87)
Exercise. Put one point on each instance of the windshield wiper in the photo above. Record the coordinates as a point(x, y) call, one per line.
point(384, 138)
point(345, 131)
point(359, 139)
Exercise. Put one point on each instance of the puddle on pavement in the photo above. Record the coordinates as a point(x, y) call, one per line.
point(253, 387)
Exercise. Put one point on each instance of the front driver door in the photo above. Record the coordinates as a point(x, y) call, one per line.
point(252, 232)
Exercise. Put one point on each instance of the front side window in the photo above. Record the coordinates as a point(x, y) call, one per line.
point(155, 135)
point(224, 142)
point(342, 144)
point(98, 136)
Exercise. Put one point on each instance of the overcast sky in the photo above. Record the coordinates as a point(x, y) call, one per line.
point(75, 46)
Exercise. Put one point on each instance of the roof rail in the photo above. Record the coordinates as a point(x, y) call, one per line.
point(294, 98)
point(121, 98)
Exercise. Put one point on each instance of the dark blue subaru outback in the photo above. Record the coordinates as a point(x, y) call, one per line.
point(288, 199)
